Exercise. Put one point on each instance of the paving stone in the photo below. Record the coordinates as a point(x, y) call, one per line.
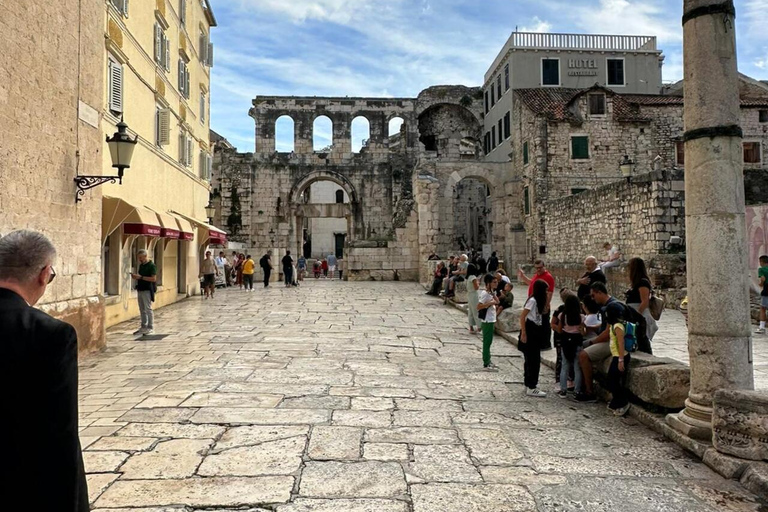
point(298, 377)
point(519, 475)
point(173, 430)
point(177, 458)
point(257, 434)
point(412, 435)
point(406, 404)
point(352, 480)
point(603, 467)
point(345, 505)
point(372, 403)
point(197, 492)
point(385, 451)
point(335, 443)
point(126, 444)
point(471, 498)
point(103, 462)
point(491, 446)
point(443, 463)
point(158, 415)
point(98, 483)
point(422, 418)
point(371, 419)
point(316, 402)
point(232, 400)
point(281, 457)
point(288, 390)
point(563, 442)
point(260, 416)
point(487, 418)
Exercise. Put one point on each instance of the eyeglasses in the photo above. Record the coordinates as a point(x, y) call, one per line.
point(52, 276)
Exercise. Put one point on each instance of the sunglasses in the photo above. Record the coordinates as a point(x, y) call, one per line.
point(52, 276)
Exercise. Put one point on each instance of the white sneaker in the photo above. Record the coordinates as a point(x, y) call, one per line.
point(536, 392)
point(141, 330)
point(621, 411)
point(760, 330)
point(147, 332)
point(490, 368)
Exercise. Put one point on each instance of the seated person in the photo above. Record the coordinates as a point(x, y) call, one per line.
point(437, 279)
point(506, 298)
point(458, 275)
point(593, 321)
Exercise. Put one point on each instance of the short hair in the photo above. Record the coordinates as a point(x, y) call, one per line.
point(764, 258)
point(287, 252)
point(599, 287)
point(607, 244)
point(143, 252)
point(24, 254)
point(488, 279)
point(538, 261)
point(248, 256)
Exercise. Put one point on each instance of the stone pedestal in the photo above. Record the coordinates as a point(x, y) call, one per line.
point(740, 424)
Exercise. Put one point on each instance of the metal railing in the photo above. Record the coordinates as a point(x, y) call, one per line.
point(541, 40)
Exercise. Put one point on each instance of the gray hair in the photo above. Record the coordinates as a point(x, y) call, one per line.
point(142, 252)
point(24, 254)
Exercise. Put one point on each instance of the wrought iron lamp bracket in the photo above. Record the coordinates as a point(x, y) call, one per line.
point(84, 183)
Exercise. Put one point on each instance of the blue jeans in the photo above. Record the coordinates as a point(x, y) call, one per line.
point(568, 367)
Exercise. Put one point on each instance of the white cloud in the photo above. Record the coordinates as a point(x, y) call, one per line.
point(537, 25)
point(337, 11)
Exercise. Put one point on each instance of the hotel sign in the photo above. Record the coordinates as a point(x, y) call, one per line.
point(582, 67)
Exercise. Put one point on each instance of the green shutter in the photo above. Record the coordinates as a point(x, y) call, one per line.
point(579, 148)
point(526, 201)
point(525, 153)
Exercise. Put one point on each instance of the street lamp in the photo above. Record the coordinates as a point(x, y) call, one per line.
point(210, 211)
point(121, 148)
point(626, 166)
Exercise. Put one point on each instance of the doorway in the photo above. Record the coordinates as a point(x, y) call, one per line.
point(340, 238)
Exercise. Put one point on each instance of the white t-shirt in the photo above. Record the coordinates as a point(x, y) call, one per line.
point(533, 313)
point(612, 252)
point(593, 320)
point(490, 316)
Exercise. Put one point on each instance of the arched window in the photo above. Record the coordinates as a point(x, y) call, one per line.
point(395, 125)
point(339, 196)
point(284, 135)
point(361, 132)
point(322, 134)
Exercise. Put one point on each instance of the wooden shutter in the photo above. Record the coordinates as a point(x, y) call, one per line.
point(209, 55)
point(751, 152)
point(158, 44)
point(115, 86)
point(579, 148)
point(125, 8)
point(181, 75)
point(208, 167)
point(182, 148)
point(167, 53)
point(164, 127)
point(680, 153)
point(203, 49)
point(186, 82)
point(183, 11)
point(202, 107)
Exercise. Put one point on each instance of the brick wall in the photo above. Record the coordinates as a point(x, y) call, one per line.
point(43, 66)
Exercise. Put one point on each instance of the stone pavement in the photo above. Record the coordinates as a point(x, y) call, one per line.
point(356, 397)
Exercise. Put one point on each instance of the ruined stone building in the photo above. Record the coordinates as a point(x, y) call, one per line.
point(458, 167)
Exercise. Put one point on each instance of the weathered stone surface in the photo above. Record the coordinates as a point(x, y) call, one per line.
point(126, 444)
point(665, 385)
point(177, 458)
point(412, 435)
point(256, 434)
point(103, 462)
point(371, 419)
point(740, 424)
point(98, 483)
point(352, 480)
point(232, 400)
point(158, 415)
point(443, 463)
point(346, 505)
point(406, 404)
point(335, 443)
point(237, 415)
point(281, 457)
point(471, 498)
point(287, 390)
point(509, 320)
point(422, 418)
point(491, 446)
point(316, 402)
point(197, 492)
point(365, 403)
point(173, 430)
point(602, 467)
point(385, 451)
point(519, 475)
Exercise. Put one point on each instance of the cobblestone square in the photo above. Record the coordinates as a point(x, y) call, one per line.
point(357, 397)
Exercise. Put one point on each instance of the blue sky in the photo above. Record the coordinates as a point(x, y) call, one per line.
point(400, 47)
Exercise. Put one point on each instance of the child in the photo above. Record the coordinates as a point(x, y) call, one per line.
point(762, 275)
point(486, 307)
point(569, 324)
point(533, 337)
point(617, 373)
point(564, 293)
point(473, 298)
point(592, 322)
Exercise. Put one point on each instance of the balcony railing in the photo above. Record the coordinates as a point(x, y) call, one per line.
point(540, 41)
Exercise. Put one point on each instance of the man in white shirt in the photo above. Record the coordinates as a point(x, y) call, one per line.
point(614, 256)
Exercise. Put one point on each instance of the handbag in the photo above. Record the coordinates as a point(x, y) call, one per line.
point(482, 313)
point(656, 306)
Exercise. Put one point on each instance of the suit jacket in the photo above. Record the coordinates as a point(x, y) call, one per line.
point(41, 460)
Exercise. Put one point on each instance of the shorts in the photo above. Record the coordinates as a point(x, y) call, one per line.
point(209, 280)
point(598, 352)
point(332, 268)
point(764, 301)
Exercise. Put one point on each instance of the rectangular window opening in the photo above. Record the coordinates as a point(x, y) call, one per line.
point(550, 72)
point(525, 153)
point(763, 116)
point(580, 148)
point(616, 72)
point(507, 124)
point(751, 152)
point(506, 77)
point(680, 153)
point(526, 201)
point(597, 104)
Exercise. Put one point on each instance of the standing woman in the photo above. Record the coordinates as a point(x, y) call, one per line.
point(487, 304)
point(473, 298)
point(639, 296)
point(533, 336)
point(209, 271)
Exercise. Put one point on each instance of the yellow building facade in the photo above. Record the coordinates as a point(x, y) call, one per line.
point(157, 66)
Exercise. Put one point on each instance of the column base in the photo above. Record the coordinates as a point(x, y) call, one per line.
point(695, 421)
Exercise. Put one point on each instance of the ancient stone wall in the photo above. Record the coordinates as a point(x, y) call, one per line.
point(386, 260)
point(51, 92)
point(641, 215)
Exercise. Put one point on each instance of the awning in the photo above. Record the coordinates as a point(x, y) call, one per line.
point(169, 228)
point(186, 231)
point(136, 220)
point(208, 233)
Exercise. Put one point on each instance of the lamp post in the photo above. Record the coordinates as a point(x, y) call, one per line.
point(626, 166)
point(210, 211)
point(121, 148)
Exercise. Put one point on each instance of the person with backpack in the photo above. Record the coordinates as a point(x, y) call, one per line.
point(486, 307)
point(266, 265)
point(533, 336)
point(638, 297)
point(473, 298)
point(569, 325)
point(288, 269)
point(617, 372)
point(556, 340)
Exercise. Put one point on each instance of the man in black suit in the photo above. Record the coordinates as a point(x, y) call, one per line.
point(42, 463)
point(591, 276)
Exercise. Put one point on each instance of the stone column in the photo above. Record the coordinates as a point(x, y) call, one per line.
point(719, 340)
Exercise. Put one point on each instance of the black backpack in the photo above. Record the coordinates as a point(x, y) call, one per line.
point(263, 261)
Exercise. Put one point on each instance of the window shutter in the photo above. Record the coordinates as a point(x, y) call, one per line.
point(167, 53)
point(115, 86)
point(181, 74)
point(183, 11)
point(190, 150)
point(203, 49)
point(209, 59)
point(202, 162)
point(186, 82)
point(202, 107)
point(164, 127)
point(125, 8)
point(158, 45)
point(208, 167)
point(580, 147)
point(182, 148)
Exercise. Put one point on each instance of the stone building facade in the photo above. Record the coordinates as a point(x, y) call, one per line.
point(51, 89)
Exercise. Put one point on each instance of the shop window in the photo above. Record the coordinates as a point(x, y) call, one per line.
point(550, 72)
point(597, 104)
point(580, 148)
point(751, 152)
point(616, 72)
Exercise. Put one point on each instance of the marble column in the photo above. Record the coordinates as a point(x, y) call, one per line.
point(719, 342)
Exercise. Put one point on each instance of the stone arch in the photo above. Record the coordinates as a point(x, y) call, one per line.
point(474, 172)
point(358, 140)
point(443, 126)
point(282, 134)
point(321, 141)
point(325, 175)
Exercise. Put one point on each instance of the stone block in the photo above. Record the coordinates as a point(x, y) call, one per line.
point(740, 424)
point(664, 385)
point(509, 320)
